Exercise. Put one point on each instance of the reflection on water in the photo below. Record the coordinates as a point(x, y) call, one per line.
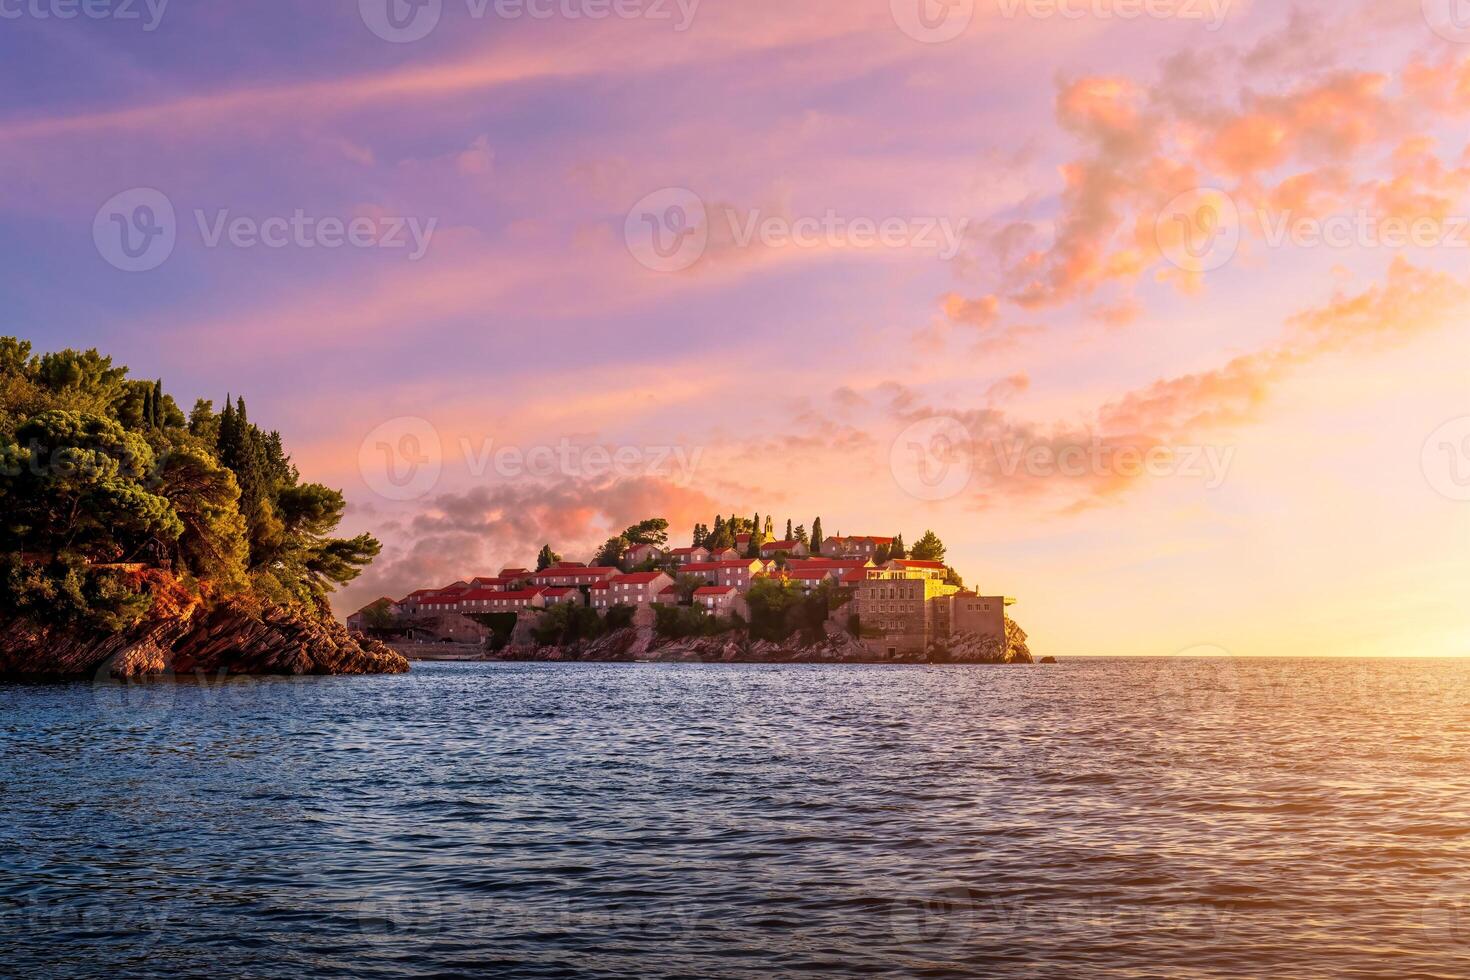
point(1121, 818)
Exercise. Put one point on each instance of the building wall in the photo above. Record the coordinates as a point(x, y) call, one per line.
point(910, 611)
point(980, 615)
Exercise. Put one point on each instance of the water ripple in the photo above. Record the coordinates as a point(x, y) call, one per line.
point(1120, 818)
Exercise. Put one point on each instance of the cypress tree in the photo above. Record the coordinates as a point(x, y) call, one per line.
point(788, 530)
point(817, 536)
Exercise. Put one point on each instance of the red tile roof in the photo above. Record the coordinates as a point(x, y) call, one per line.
point(716, 590)
point(637, 578)
point(518, 594)
point(576, 570)
point(909, 563)
point(715, 566)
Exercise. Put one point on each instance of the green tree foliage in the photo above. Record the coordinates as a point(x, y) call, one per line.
point(800, 533)
point(789, 532)
point(678, 622)
point(546, 558)
point(897, 550)
point(379, 615)
point(97, 470)
point(203, 423)
point(205, 496)
point(701, 534)
point(566, 623)
point(80, 491)
point(779, 609)
point(654, 531)
point(686, 583)
point(720, 536)
point(928, 548)
point(817, 536)
point(610, 555)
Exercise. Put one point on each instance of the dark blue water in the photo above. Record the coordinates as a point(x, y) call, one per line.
point(1099, 818)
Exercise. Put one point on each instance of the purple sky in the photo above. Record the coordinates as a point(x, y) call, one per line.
point(1301, 404)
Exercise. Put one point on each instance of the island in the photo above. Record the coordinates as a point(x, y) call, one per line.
point(736, 593)
point(136, 540)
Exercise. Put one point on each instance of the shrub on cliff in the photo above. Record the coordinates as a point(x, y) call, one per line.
point(679, 622)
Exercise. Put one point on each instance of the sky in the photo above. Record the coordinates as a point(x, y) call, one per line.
point(1156, 312)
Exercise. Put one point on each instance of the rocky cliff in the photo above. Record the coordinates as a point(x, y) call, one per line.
point(737, 647)
point(185, 636)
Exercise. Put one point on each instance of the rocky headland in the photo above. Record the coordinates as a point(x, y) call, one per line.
point(182, 636)
point(642, 644)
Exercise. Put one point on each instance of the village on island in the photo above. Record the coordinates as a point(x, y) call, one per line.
point(895, 601)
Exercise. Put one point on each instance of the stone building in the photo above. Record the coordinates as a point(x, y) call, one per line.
point(737, 572)
point(638, 589)
point(854, 547)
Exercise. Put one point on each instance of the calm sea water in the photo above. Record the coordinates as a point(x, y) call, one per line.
point(1098, 818)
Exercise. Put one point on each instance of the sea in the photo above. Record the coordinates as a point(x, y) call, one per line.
point(1093, 818)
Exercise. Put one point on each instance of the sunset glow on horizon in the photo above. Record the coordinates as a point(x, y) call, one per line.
point(1161, 322)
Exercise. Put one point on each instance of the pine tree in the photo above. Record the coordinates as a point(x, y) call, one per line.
point(800, 533)
point(716, 539)
point(928, 548)
point(897, 549)
point(699, 535)
point(817, 536)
